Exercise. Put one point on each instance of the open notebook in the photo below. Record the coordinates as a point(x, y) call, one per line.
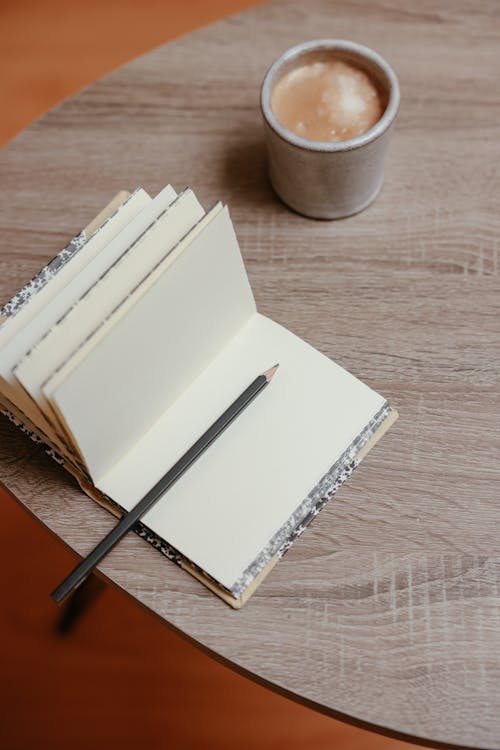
point(133, 340)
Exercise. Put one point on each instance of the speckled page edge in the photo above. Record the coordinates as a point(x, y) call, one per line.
point(52, 268)
point(14, 305)
point(315, 501)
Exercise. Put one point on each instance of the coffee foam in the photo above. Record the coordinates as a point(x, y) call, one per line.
point(327, 99)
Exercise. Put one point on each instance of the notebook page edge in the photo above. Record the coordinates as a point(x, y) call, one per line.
point(52, 344)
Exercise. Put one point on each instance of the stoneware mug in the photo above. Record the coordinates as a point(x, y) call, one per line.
point(329, 180)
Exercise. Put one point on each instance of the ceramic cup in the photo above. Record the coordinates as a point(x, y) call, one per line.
point(329, 180)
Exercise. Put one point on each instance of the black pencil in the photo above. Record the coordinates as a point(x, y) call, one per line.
point(85, 567)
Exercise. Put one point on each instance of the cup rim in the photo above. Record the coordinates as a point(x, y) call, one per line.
point(361, 50)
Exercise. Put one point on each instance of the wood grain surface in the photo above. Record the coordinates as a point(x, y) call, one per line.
point(387, 610)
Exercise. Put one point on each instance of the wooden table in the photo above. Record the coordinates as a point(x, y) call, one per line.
point(386, 612)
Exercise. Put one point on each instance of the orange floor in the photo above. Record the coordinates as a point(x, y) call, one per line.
point(121, 680)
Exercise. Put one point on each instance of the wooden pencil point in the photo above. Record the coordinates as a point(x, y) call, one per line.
point(270, 373)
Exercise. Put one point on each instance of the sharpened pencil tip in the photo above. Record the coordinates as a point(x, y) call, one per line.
point(269, 373)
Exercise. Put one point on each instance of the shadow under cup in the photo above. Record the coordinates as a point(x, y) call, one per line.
point(329, 179)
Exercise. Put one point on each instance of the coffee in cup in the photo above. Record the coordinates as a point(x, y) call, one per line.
point(327, 99)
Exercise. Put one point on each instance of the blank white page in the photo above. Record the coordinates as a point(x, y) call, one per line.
point(230, 503)
point(145, 252)
point(190, 307)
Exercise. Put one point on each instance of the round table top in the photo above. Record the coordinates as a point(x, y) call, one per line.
point(386, 612)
